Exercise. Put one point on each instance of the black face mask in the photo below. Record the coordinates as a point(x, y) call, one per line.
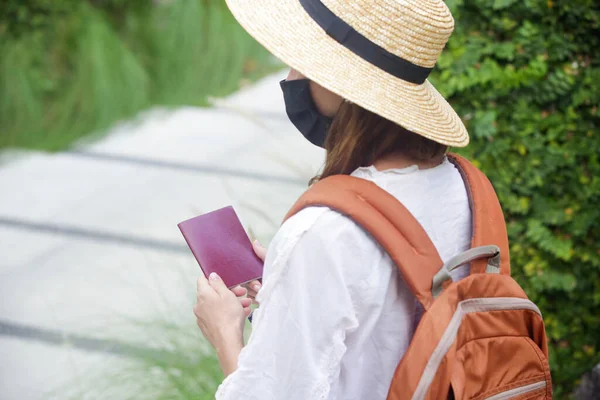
point(303, 113)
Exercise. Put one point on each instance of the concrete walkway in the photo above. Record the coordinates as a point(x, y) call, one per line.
point(88, 237)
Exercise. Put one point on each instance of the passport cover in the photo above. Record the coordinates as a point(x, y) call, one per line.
point(220, 244)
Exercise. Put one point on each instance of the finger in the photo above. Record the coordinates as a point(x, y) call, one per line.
point(247, 311)
point(251, 294)
point(196, 311)
point(202, 284)
point(239, 291)
point(245, 302)
point(217, 284)
point(254, 285)
point(259, 249)
point(253, 288)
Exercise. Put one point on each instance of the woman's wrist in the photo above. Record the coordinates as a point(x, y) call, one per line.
point(228, 350)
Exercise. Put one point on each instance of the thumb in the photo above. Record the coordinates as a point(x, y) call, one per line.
point(259, 249)
point(217, 283)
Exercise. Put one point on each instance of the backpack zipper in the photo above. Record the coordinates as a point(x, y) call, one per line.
point(518, 391)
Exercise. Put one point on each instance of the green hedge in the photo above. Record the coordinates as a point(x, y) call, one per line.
point(525, 78)
point(72, 67)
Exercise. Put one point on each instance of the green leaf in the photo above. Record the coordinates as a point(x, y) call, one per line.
point(500, 4)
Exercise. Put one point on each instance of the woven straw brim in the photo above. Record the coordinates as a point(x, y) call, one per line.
point(290, 34)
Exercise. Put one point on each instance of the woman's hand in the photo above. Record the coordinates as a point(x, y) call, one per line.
point(250, 289)
point(220, 315)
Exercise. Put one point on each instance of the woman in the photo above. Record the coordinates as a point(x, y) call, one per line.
point(335, 316)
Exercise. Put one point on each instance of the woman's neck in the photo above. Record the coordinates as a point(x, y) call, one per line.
point(399, 161)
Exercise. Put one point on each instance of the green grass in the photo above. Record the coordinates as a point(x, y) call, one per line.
point(164, 355)
point(174, 362)
point(180, 366)
point(87, 69)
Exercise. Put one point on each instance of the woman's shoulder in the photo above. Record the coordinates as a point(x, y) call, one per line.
point(323, 223)
point(320, 230)
point(322, 242)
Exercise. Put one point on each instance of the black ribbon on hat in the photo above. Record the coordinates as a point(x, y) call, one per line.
point(348, 37)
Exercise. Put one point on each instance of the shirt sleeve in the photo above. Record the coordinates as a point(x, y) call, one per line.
point(306, 310)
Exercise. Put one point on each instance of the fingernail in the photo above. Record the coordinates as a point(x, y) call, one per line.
point(256, 287)
point(213, 276)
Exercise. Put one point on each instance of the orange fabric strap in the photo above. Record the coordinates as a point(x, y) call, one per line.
point(489, 226)
point(390, 223)
point(400, 234)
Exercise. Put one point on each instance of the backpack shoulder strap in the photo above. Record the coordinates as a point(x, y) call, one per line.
point(387, 220)
point(401, 235)
point(489, 226)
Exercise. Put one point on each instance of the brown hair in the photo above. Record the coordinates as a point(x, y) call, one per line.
point(357, 138)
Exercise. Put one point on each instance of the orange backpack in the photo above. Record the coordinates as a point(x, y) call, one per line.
point(479, 338)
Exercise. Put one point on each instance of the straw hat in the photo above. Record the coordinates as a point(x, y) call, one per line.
point(374, 53)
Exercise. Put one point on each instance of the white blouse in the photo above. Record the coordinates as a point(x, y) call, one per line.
point(335, 317)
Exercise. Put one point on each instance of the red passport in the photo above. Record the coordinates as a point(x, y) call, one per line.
point(220, 244)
